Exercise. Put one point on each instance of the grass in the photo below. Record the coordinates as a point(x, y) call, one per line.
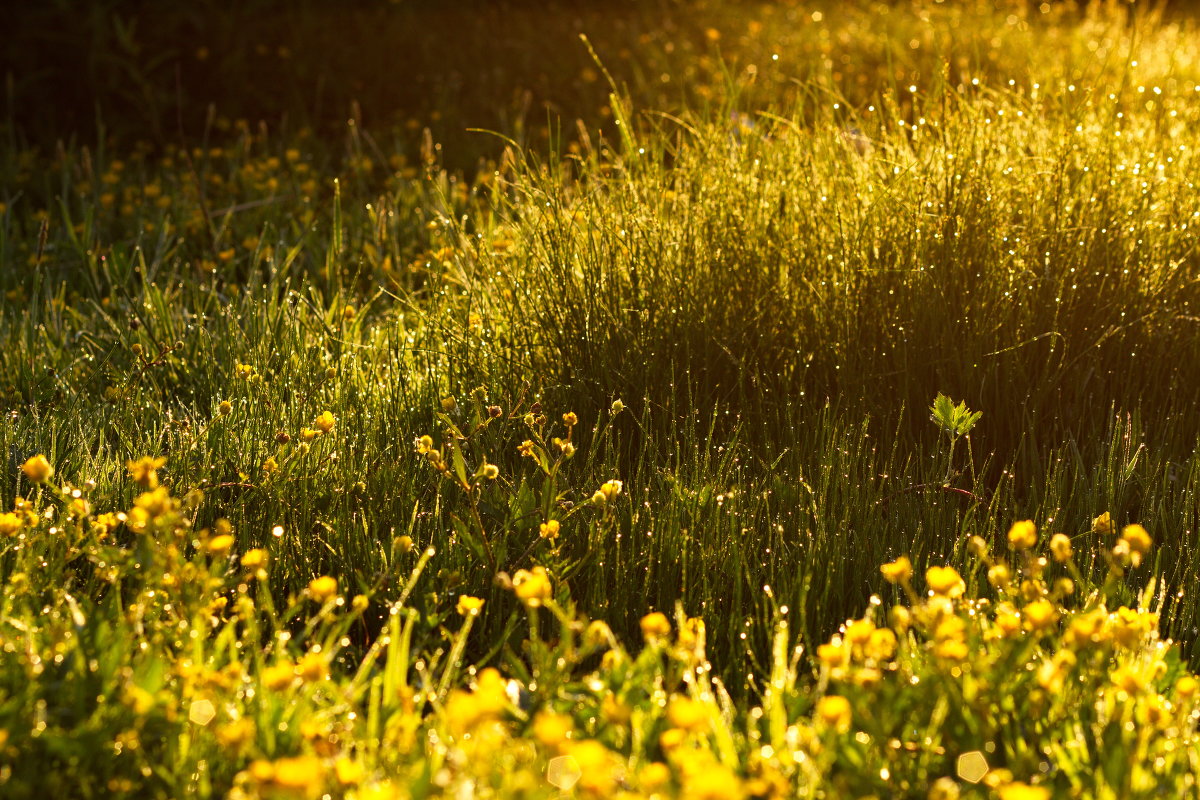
point(700, 330)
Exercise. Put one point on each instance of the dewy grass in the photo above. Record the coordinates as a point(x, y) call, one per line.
point(331, 470)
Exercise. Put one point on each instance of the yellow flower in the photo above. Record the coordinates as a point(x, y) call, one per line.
point(712, 782)
point(833, 653)
point(469, 606)
point(324, 422)
point(1103, 524)
point(1130, 626)
point(550, 529)
point(144, 470)
point(1186, 687)
point(254, 559)
point(9, 524)
point(881, 646)
point(552, 730)
point(322, 588)
point(532, 587)
point(219, 545)
point(279, 676)
point(1022, 791)
point(611, 489)
point(1127, 680)
point(951, 650)
point(243, 371)
point(1040, 615)
point(654, 775)
point(1137, 538)
point(898, 571)
point(999, 576)
point(571, 419)
point(308, 434)
point(313, 667)
point(834, 711)
point(1022, 535)
point(945, 581)
point(687, 714)
point(38, 469)
point(1086, 629)
point(1060, 547)
point(859, 631)
point(654, 625)
point(225, 408)
point(301, 775)
point(490, 472)
point(270, 466)
point(348, 771)
point(423, 444)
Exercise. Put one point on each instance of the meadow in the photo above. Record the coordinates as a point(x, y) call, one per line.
point(711, 399)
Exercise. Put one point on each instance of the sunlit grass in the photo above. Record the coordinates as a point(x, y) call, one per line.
point(336, 468)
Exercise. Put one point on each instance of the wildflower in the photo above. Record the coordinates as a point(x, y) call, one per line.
point(834, 711)
point(220, 545)
point(322, 588)
point(532, 587)
point(361, 601)
point(610, 490)
point(243, 371)
point(1008, 621)
point(549, 530)
point(999, 576)
point(466, 710)
point(278, 676)
point(1137, 538)
point(1103, 524)
point(1129, 626)
point(1022, 791)
point(687, 714)
point(901, 618)
point(1040, 615)
point(403, 543)
point(951, 650)
point(1060, 547)
point(526, 448)
point(449, 404)
point(270, 466)
point(898, 571)
point(1022, 535)
point(617, 407)
point(324, 422)
point(254, 559)
point(944, 789)
point(552, 730)
point(654, 775)
point(859, 631)
point(313, 667)
point(881, 645)
point(570, 419)
point(469, 606)
point(423, 444)
point(490, 472)
point(1127, 680)
point(348, 771)
point(38, 469)
point(945, 581)
point(9, 524)
point(833, 653)
point(655, 625)
point(1186, 687)
point(298, 775)
point(308, 434)
point(1086, 629)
